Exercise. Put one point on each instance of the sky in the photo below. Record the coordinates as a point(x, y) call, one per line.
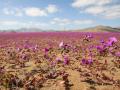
point(58, 14)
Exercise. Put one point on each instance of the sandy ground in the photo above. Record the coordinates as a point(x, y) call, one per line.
point(46, 74)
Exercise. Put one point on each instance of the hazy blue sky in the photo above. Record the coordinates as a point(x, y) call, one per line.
point(58, 14)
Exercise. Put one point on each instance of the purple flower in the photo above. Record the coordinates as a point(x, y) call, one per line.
point(66, 60)
point(117, 54)
point(61, 44)
point(83, 61)
point(109, 43)
point(26, 46)
point(24, 57)
point(18, 49)
point(46, 50)
point(113, 39)
point(89, 61)
point(89, 36)
point(2, 69)
point(34, 48)
point(58, 59)
point(99, 48)
point(102, 41)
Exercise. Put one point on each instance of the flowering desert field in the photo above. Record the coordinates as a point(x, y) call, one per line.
point(60, 61)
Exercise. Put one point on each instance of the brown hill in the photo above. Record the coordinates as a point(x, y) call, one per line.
point(100, 29)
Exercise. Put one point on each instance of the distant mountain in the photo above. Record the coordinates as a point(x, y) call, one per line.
point(100, 28)
point(24, 30)
point(29, 30)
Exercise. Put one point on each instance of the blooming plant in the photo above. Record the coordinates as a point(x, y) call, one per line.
point(59, 60)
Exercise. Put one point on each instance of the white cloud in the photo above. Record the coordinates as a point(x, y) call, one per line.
point(112, 12)
point(78, 22)
point(64, 21)
point(18, 12)
point(84, 3)
point(15, 23)
point(103, 8)
point(14, 11)
point(109, 12)
point(60, 21)
point(35, 24)
point(7, 11)
point(52, 8)
point(33, 11)
point(8, 23)
point(95, 10)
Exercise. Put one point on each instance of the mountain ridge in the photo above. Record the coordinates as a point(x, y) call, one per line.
point(99, 28)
